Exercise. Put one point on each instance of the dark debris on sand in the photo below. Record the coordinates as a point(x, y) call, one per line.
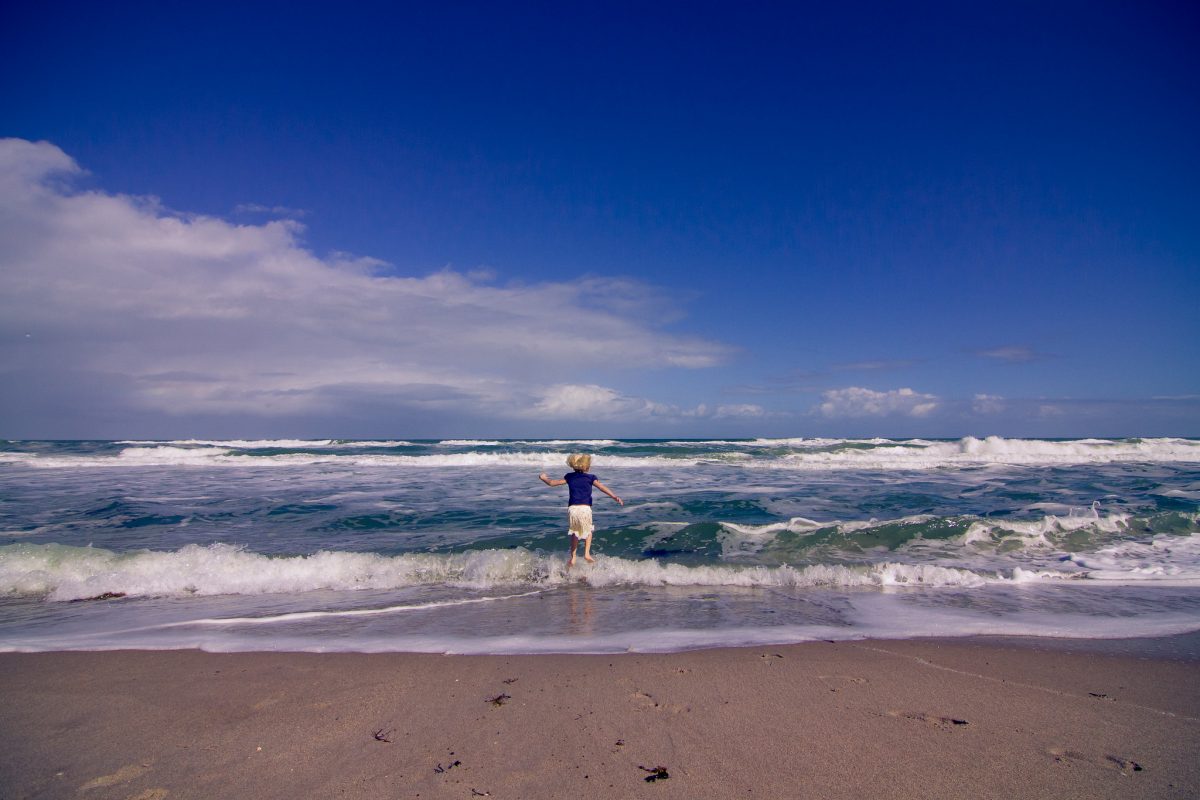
point(656, 773)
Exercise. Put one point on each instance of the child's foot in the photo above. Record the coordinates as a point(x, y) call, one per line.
point(571, 562)
point(589, 559)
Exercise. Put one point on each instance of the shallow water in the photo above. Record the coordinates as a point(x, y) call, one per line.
point(455, 546)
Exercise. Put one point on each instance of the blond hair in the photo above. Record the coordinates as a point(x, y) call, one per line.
point(580, 462)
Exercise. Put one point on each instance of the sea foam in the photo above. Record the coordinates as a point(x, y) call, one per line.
point(59, 572)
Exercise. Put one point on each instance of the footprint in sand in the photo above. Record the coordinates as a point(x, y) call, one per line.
point(933, 720)
point(1126, 766)
point(646, 702)
point(124, 775)
point(150, 794)
point(643, 700)
point(267, 702)
point(835, 683)
point(1064, 756)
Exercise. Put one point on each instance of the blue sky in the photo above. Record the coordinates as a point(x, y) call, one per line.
point(599, 220)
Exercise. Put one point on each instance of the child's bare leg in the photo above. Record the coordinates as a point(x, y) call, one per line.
point(574, 545)
point(587, 550)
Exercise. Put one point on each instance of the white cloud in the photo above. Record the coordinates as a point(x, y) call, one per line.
point(23, 163)
point(193, 314)
point(988, 404)
point(592, 402)
point(588, 401)
point(855, 401)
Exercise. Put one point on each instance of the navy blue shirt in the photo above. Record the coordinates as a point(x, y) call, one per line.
point(580, 484)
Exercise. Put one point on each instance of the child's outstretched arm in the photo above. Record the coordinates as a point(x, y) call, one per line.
point(546, 480)
point(608, 492)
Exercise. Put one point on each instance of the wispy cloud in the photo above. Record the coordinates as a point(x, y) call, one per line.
point(742, 411)
point(1011, 354)
point(873, 366)
point(856, 401)
point(195, 315)
point(273, 211)
point(808, 381)
point(988, 404)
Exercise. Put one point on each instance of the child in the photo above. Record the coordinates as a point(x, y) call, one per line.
point(579, 506)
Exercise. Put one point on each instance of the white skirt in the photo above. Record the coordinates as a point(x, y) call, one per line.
point(579, 521)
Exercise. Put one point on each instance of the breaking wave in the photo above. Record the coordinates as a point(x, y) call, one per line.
point(780, 454)
point(62, 573)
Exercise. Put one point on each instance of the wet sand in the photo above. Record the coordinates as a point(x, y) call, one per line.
point(902, 719)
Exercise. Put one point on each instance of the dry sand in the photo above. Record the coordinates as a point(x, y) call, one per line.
point(908, 719)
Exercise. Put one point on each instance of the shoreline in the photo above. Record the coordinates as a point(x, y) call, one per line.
point(1172, 647)
point(907, 718)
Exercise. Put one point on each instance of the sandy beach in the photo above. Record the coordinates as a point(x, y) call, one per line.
point(908, 719)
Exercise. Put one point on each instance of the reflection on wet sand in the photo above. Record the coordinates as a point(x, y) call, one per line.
point(580, 611)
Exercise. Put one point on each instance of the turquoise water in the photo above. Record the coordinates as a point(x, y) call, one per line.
point(455, 546)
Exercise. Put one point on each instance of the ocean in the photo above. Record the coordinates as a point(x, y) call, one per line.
point(455, 546)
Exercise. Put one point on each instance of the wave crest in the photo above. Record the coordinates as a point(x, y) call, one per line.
point(60, 572)
point(784, 454)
